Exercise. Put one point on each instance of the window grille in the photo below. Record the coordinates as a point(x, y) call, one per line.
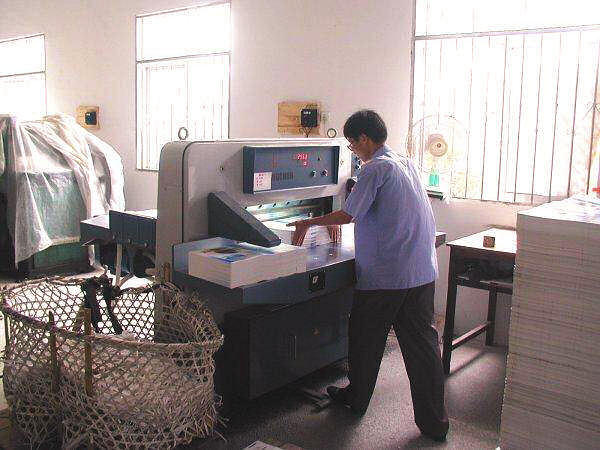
point(182, 78)
point(23, 77)
point(522, 77)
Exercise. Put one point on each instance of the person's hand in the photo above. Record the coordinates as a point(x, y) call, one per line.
point(335, 232)
point(300, 232)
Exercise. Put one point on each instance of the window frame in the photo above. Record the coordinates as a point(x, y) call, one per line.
point(42, 72)
point(138, 150)
point(506, 33)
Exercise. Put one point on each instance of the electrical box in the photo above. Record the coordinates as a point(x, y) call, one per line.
point(290, 118)
point(308, 117)
point(87, 117)
point(91, 118)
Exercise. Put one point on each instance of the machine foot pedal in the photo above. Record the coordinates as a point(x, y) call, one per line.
point(320, 400)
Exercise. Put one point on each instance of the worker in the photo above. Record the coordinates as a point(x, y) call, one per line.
point(396, 268)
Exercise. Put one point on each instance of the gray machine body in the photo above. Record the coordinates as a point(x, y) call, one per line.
point(189, 171)
point(278, 330)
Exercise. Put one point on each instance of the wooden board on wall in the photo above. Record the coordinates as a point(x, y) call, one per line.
point(288, 117)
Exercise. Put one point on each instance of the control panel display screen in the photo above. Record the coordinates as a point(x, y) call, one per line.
point(301, 158)
point(280, 168)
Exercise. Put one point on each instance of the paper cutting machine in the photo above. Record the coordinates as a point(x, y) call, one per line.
point(279, 330)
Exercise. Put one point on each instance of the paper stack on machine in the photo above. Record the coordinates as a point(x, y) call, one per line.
point(316, 235)
point(233, 263)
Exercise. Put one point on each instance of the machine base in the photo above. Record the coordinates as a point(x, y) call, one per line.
point(269, 346)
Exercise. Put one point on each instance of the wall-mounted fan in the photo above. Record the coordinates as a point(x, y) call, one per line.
point(437, 145)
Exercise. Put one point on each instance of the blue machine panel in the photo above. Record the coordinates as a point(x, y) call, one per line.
point(277, 168)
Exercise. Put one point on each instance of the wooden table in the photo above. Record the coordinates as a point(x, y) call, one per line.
point(470, 248)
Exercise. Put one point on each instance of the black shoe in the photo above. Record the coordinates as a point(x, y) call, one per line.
point(436, 438)
point(339, 395)
point(344, 397)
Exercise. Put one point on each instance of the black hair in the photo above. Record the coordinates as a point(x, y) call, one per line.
point(367, 122)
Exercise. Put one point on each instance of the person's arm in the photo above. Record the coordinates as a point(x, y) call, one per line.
point(335, 218)
point(331, 220)
point(357, 204)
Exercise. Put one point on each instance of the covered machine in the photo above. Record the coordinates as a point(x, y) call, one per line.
point(278, 330)
point(53, 174)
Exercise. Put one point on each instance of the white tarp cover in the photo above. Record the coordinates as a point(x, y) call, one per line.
point(56, 174)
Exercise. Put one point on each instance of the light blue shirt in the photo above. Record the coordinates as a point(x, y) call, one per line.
point(394, 231)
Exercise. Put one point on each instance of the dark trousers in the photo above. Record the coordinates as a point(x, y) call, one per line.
point(410, 312)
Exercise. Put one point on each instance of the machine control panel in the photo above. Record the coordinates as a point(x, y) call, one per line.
point(278, 168)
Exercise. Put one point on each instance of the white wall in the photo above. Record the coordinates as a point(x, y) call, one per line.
point(347, 54)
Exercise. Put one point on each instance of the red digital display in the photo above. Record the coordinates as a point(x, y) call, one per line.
point(301, 156)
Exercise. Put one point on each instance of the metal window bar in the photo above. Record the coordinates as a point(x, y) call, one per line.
point(187, 93)
point(502, 118)
point(519, 126)
point(555, 115)
point(574, 117)
point(421, 134)
point(179, 58)
point(487, 91)
point(186, 8)
point(470, 107)
point(439, 108)
point(409, 143)
point(14, 75)
point(523, 33)
point(452, 171)
point(537, 118)
point(477, 34)
point(594, 110)
point(506, 159)
point(2, 41)
point(151, 147)
point(424, 87)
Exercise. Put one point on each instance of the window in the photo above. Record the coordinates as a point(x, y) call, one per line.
point(521, 77)
point(23, 77)
point(182, 78)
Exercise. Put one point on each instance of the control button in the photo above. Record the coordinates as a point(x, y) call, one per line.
point(313, 173)
point(324, 173)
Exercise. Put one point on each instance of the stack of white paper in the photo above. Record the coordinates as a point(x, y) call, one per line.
point(315, 235)
point(552, 393)
point(233, 263)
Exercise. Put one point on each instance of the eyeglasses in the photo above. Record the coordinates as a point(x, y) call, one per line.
point(352, 146)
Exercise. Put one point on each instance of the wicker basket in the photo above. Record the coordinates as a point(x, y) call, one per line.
point(100, 389)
